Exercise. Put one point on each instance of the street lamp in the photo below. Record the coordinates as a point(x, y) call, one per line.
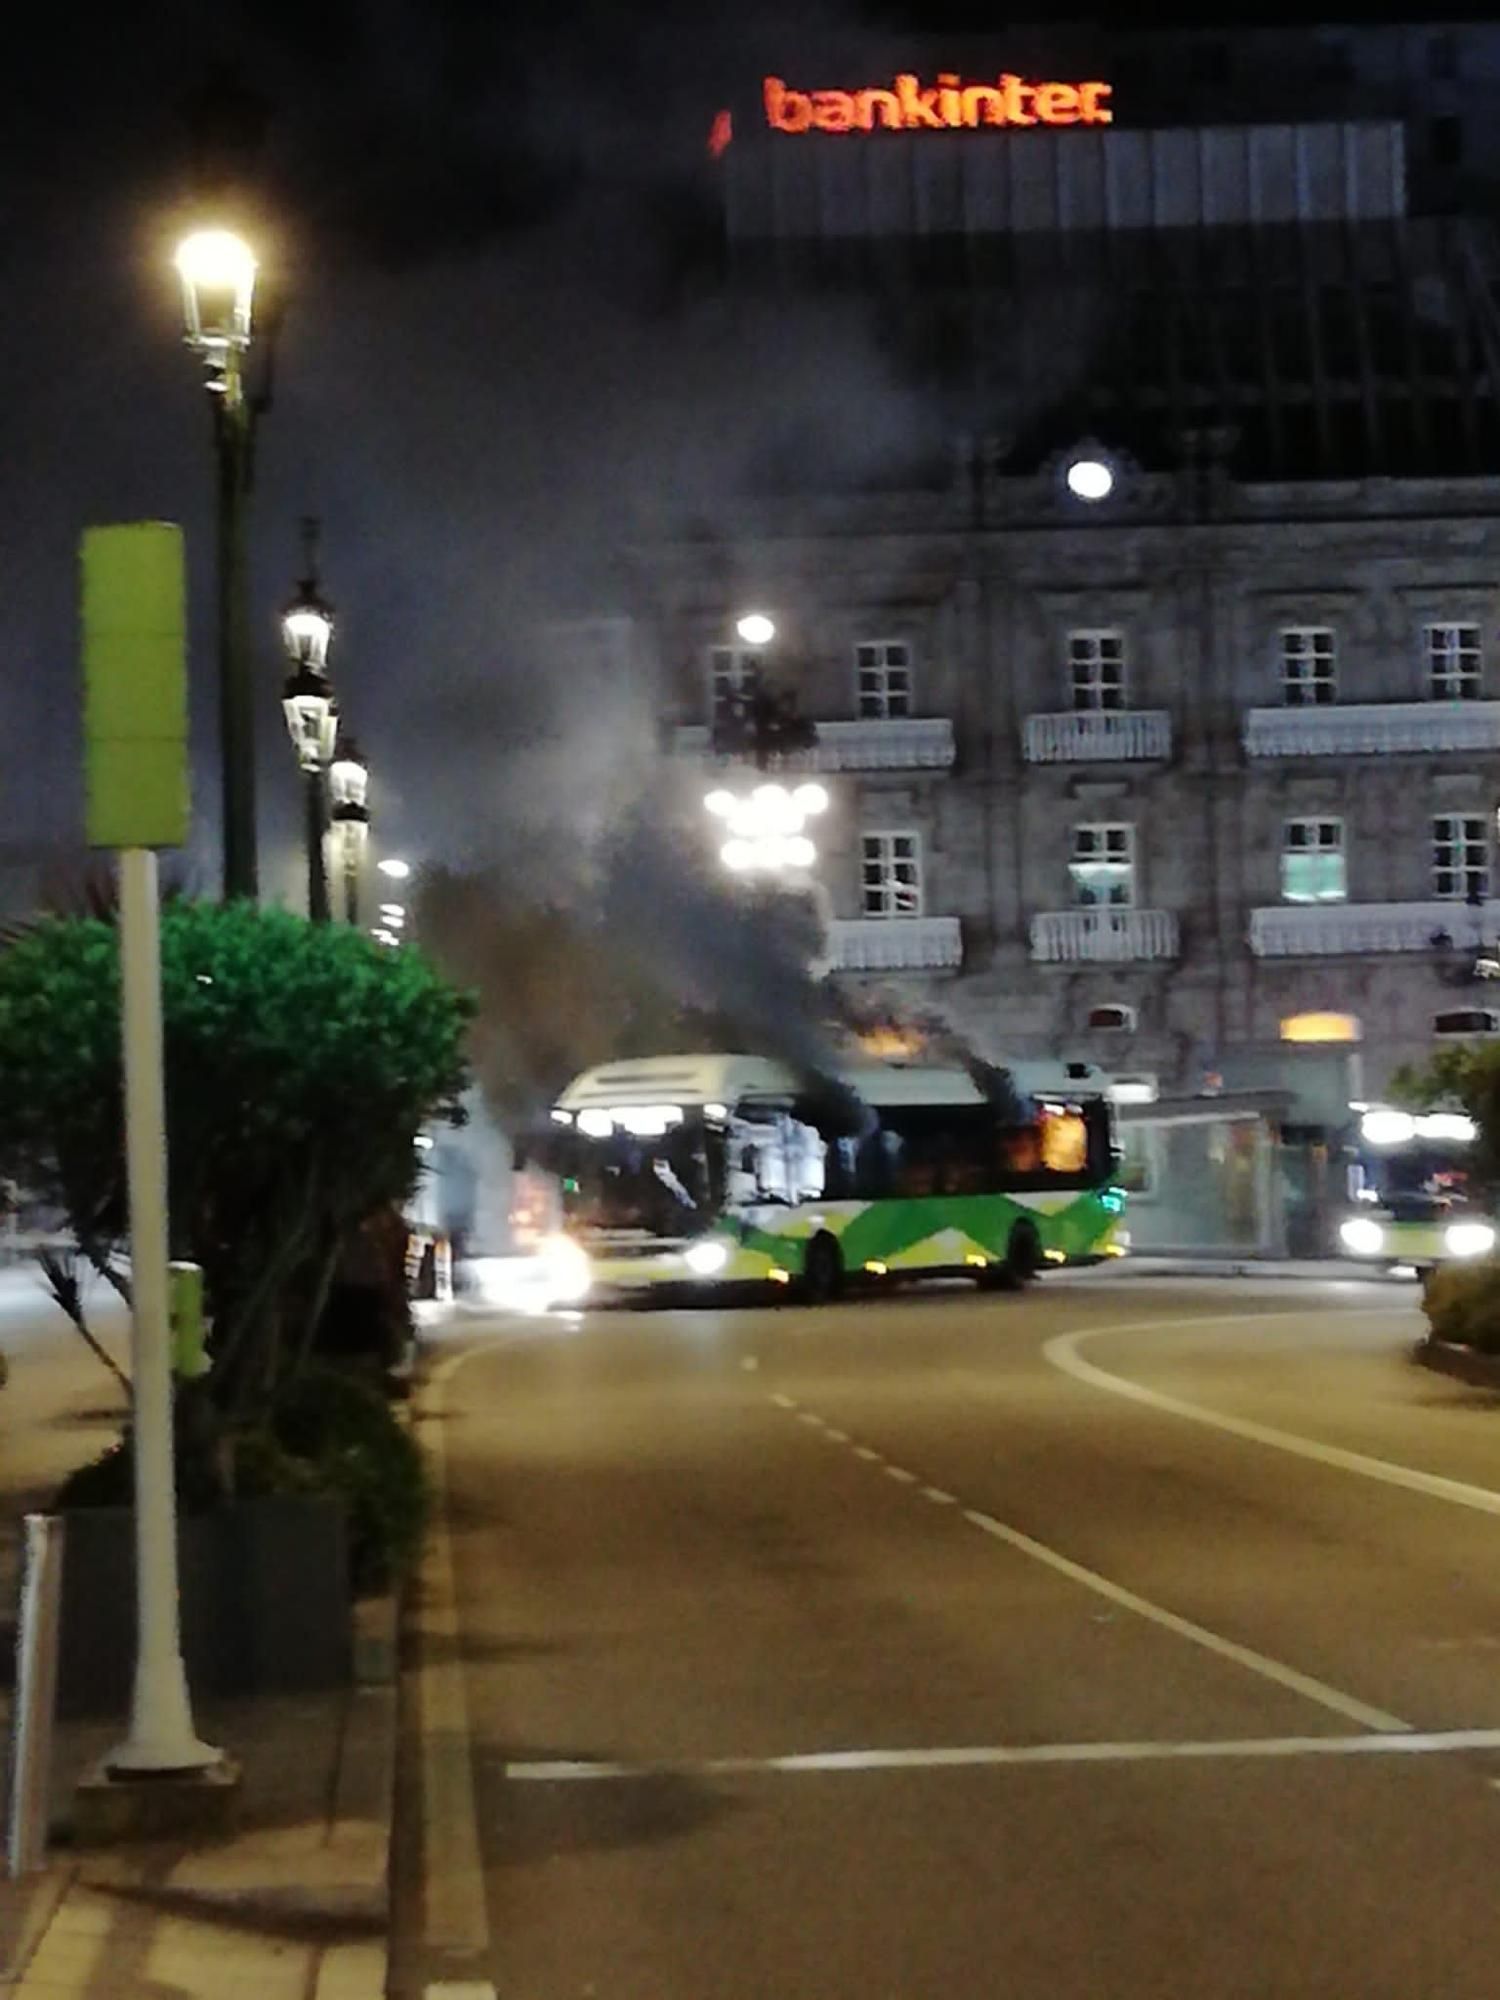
point(218, 272)
point(765, 828)
point(397, 870)
point(349, 782)
point(756, 629)
point(311, 713)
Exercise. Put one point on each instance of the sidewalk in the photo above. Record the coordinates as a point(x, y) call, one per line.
point(291, 1907)
point(1150, 1265)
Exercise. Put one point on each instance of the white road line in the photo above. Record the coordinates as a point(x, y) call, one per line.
point(837, 1437)
point(900, 1473)
point(1062, 1352)
point(1318, 1691)
point(971, 1756)
point(782, 1402)
point(937, 1494)
point(454, 1913)
point(807, 1417)
point(459, 1989)
point(865, 1452)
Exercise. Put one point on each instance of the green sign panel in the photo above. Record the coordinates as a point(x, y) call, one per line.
point(135, 685)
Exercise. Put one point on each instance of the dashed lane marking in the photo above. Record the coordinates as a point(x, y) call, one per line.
point(937, 1495)
point(1349, 1706)
point(1405, 1743)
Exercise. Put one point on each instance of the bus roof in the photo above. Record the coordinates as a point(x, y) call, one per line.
point(682, 1080)
point(695, 1080)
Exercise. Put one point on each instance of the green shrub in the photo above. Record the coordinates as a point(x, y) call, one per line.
point(345, 1429)
point(1462, 1303)
point(329, 1433)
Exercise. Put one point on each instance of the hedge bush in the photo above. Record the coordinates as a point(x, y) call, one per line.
point(329, 1433)
point(1462, 1303)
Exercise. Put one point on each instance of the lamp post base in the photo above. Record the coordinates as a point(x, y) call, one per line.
point(111, 1804)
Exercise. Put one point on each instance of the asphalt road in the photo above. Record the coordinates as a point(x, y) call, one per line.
point(1125, 1638)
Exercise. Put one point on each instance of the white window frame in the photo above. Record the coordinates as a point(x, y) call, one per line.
point(1113, 857)
point(887, 897)
point(1454, 650)
point(883, 680)
point(1097, 668)
point(1467, 835)
point(1308, 657)
point(731, 671)
point(1319, 824)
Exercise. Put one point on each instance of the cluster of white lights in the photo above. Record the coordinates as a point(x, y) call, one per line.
point(765, 827)
point(1380, 1127)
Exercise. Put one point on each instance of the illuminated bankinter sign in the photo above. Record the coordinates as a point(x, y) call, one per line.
point(948, 105)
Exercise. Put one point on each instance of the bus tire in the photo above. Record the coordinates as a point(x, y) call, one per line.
point(1023, 1255)
point(822, 1270)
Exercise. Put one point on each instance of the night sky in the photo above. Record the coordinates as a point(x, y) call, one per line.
point(503, 353)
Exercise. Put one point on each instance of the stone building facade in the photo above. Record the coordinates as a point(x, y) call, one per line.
point(1170, 782)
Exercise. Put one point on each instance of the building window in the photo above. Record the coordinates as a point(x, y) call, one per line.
point(1096, 661)
point(1466, 1021)
point(1307, 678)
point(1312, 861)
point(891, 874)
point(732, 673)
point(1445, 141)
point(1461, 857)
point(1442, 58)
point(1103, 865)
point(1454, 662)
point(882, 674)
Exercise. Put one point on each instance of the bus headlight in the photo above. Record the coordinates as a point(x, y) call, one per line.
point(704, 1259)
point(565, 1267)
point(1361, 1237)
point(1469, 1239)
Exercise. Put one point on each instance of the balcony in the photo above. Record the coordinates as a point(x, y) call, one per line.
point(1326, 930)
point(1096, 736)
point(896, 944)
point(899, 743)
point(1102, 936)
point(1372, 729)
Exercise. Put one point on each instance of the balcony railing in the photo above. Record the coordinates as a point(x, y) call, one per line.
point(900, 743)
point(1102, 936)
point(1324, 930)
point(1090, 736)
point(1372, 729)
point(895, 944)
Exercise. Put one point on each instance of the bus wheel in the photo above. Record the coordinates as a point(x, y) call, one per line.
point(1023, 1255)
point(822, 1271)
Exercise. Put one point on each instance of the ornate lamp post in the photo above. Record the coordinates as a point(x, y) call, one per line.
point(311, 712)
point(349, 780)
point(218, 271)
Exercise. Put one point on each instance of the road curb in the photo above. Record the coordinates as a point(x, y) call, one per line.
point(1461, 1364)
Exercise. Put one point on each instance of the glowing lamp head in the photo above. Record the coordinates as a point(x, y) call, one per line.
point(720, 803)
point(800, 851)
point(810, 800)
point(739, 856)
point(397, 870)
point(1089, 478)
point(217, 270)
point(755, 628)
point(306, 628)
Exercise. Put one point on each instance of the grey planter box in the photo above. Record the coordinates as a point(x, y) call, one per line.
point(265, 1602)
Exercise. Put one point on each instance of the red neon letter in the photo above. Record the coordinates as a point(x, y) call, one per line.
point(787, 110)
point(1012, 90)
point(868, 102)
point(1095, 112)
point(918, 107)
point(833, 110)
point(1057, 103)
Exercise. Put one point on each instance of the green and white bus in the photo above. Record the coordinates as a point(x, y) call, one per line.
point(727, 1170)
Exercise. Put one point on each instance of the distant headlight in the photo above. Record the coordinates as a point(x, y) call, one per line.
point(1362, 1237)
point(703, 1259)
point(566, 1270)
point(1469, 1239)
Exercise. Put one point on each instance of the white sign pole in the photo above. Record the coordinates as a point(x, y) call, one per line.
point(162, 1737)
